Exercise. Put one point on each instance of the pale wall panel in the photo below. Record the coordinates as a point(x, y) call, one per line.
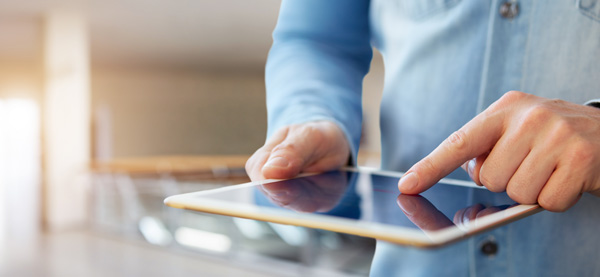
point(179, 112)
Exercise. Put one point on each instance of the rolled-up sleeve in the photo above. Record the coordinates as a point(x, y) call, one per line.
point(593, 103)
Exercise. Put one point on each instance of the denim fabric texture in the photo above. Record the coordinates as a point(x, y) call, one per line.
point(446, 61)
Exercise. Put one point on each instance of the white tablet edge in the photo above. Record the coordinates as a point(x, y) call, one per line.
point(376, 230)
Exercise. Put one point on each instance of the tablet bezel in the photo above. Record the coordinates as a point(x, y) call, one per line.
point(391, 233)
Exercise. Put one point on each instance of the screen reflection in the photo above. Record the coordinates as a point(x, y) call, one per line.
point(331, 193)
point(319, 193)
point(376, 198)
point(427, 217)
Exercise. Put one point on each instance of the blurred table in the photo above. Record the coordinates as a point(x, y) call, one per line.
point(201, 167)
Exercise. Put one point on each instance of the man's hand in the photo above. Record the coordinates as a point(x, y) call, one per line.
point(308, 147)
point(535, 149)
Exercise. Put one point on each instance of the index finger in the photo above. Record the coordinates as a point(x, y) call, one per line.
point(475, 138)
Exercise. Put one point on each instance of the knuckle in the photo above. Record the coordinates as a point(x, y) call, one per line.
point(515, 192)
point(427, 165)
point(513, 96)
point(550, 203)
point(563, 127)
point(537, 113)
point(309, 132)
point(489, 181)
point(285, 147)
point(537, 117)
point(560, 133)
point(508, 99)
point(306, 129)
point(457, 141)
point(485, 178)
point(580, 154)
point(545, 201)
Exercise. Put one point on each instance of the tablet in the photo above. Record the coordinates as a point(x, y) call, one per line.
point(364, 202)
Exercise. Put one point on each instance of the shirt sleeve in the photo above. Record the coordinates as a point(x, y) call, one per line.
point(593, 103)
point(321, 52)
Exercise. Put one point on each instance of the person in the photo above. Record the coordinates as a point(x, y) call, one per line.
point(497, 87)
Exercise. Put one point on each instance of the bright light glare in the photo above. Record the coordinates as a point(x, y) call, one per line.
point(19, 168)
point(292, 235)
point(203, 240)
point(154, 231)
point(250, 228)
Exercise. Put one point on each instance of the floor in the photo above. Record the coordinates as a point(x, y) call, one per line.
point(84, 253)
point(123, 251)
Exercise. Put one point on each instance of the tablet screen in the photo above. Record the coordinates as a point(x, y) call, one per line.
point(373, 198)
point(365, 203)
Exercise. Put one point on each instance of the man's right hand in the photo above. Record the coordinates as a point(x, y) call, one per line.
point(308, 147)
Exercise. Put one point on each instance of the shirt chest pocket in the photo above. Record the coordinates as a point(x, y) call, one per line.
point(421, 9)
point(590, 8)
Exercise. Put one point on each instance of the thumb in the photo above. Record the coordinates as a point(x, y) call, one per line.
point(287, 159)
point(305, 146)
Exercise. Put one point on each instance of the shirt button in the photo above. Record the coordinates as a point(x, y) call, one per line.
point(509, 9)
point(489, 248)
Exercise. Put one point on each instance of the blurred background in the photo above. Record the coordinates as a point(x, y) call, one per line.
point(107, 107)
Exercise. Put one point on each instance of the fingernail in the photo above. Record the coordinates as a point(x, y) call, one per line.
point(408, 181)
point(471, 167)
point(277, 162)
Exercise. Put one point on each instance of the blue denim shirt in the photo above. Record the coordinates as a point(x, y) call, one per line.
point(445, 61)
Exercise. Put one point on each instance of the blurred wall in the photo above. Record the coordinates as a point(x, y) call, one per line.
point(20, 56)
point(154, 111)
point(179, 77)
point(178, 111)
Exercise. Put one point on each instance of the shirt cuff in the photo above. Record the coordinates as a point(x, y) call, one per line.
point(593, 103)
